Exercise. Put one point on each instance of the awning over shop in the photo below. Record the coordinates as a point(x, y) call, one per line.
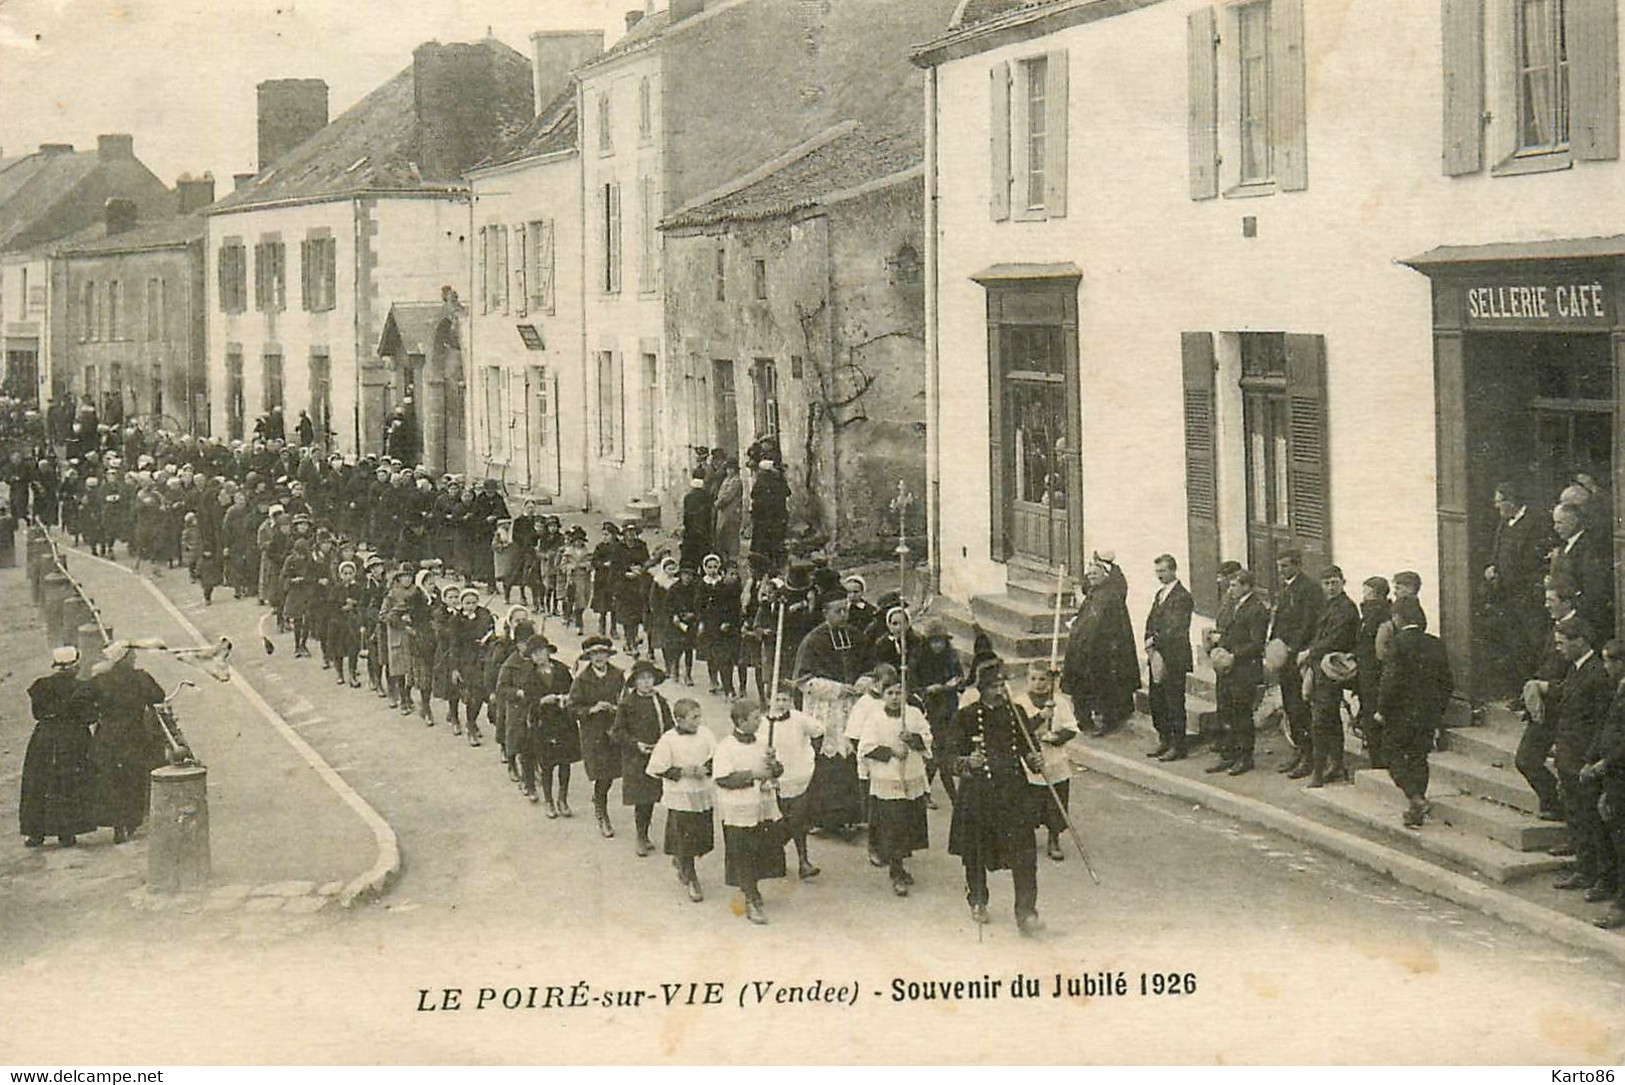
point(1562, 249)
point(1004, 273)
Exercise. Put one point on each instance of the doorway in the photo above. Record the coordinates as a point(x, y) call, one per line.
point(726, 413)
point(1037, 436)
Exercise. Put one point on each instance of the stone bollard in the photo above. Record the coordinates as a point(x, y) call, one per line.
point(56, 588)
point(75, 613)
point(39, 563)
point(90, 646)
point(178, 830)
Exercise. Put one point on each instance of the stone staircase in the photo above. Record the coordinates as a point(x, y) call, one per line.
point(1483, 811)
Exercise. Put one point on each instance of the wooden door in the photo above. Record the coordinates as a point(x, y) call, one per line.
point(1037, 442)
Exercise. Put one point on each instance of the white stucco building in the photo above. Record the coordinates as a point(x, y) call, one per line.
point(1169, 301)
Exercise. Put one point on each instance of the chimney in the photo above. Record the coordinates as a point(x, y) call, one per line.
point(557, 53)
point(290, 112)
point(115, 147)
point(633, 18)
point(468, 97)
point(56, 148)
point(240, 181)
point(683, 9)
point(192, 193)
point(119, 215)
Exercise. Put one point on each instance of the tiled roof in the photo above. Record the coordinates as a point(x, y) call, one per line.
point(847, 157)
point(146, 235)
point(982, 11)
point(650, 26)
point(33, 186)
point(554, 129)
point(370, 147)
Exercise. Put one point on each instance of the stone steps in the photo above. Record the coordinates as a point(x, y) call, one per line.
point(1451, 769)
point(1493, 860)
point(1471, 814)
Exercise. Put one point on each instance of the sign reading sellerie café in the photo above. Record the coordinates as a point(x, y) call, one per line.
point(1563, 304)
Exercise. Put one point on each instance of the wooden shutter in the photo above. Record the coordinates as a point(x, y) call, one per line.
point(615, 239)
point(1593, 40)
point(521, 303)
point(1288, 96)
point(485, 269)
point(1201, 469)
point(1057, 81)
point(306, 297)
point(223, 278)
point(1308, 481)
point(999, 142)
point(1462, 64)
point(501, 234)
point(1202, 75)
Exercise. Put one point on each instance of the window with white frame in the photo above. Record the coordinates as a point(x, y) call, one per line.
point(539, 272)
point(1253, 89)
point(610, 426)
point(1247, 106)
point(493, 411)
point(1029, 137)
point(609, 236)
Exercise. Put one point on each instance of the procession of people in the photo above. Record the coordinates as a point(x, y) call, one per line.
point(406, 583)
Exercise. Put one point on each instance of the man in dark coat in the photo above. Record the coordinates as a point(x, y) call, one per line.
point(1512, 585)
point(1168, 649)
point(1584, 558)
point(697, 507)
point(128, 744)
point(1337, 630)
point(1535, 744)
point(1297, 611)
point(1238, 663)
point(1607, 771)
point(1102, 666)
point(1576, 715)
point(769, 513)
point(1376, 610)
point(990, 746)
point(1416, 689)
point(56, 785)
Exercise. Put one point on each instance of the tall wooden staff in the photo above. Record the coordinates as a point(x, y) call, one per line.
point(773, 691)
point(1032, 746)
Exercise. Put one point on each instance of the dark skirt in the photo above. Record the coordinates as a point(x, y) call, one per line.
point(123, 754)
point(752, 854)
point(690, 833)
point(993, 823)
point(897, 828)
point(342, 636)
point(638, 788)
point(835, 795)
point(440, 686)
point(599, 756)
point(56, 790)
point(556, 739)
point(1049, 814)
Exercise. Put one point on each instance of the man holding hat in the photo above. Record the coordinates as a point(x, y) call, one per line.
point(995, 819)
point(1168, 658)
point(1238, 663)
point(596, 691)
point(1337, 632)
point(56, 784)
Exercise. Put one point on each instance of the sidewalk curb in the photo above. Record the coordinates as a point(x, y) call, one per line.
point(387, 867)
point(1408, 871)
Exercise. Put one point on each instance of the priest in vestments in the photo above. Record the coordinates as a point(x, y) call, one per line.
point(829, 663)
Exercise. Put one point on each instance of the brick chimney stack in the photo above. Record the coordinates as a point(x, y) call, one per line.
point(290, 112)
point(115, 147)
point(468, 98)
point(555, 54)
point(192, 193)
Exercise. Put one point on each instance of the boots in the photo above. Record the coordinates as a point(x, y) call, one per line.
point(394, 692)
point(1299, 767)
point(601, 812)
point(423, 708)
point(1336, 769)
point(1317, 777)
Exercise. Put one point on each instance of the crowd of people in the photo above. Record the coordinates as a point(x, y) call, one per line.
point(404, 584)
point(396, 576)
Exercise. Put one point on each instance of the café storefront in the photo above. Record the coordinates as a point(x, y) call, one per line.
point(1528, 350)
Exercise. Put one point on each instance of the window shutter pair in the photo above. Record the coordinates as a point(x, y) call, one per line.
point(1592, 36)
point(1308, 476)
point(1057, 85)
point(1288, 104)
